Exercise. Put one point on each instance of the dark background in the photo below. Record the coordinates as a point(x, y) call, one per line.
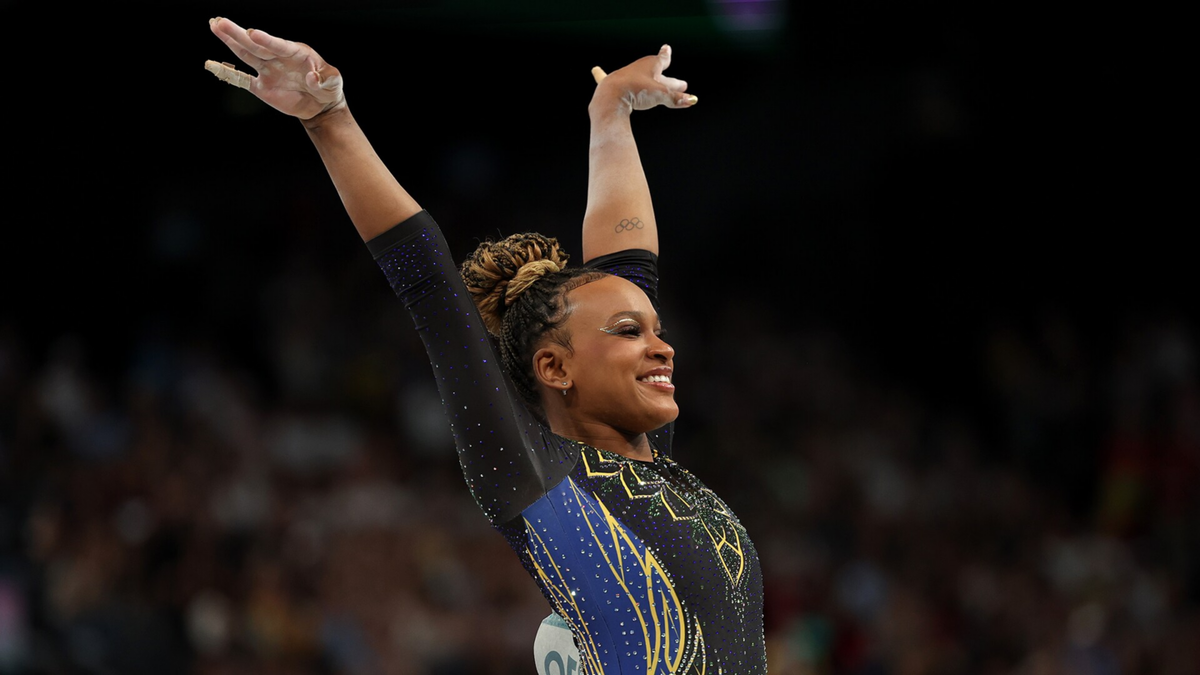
point(906, 170)
point(934, 245)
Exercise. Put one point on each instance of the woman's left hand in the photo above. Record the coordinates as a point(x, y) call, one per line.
point(641, 85)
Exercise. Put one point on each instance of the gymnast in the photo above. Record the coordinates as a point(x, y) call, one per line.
point(556, 381)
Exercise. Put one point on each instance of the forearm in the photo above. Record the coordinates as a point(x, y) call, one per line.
point(374, 199)
point(619, 212)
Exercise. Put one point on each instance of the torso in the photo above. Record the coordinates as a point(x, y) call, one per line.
point(650, 569)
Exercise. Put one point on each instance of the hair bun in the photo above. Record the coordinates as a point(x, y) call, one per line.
point(497, 273)
point(529, 273)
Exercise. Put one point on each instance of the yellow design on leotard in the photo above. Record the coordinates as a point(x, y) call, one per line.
point(655, 488)
point(672, 640)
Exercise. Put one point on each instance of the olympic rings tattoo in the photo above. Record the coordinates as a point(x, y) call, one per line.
point(629, 224)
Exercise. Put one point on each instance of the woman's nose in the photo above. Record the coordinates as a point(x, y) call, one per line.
point(660, 348)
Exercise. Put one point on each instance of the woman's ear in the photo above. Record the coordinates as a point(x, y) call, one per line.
point(550, 367)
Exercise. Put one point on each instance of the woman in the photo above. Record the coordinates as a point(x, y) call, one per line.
point(566, 442)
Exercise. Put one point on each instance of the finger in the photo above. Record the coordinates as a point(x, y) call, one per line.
point(234, 37)
point(233, 34)
point(277, 47)
point(676, 93)
point(673, 84)
point(598, 74)
point(680, 100)
point(324, 84)
point(227, 73)
point(664, 56)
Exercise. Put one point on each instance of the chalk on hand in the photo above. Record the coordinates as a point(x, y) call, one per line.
point(599, 74)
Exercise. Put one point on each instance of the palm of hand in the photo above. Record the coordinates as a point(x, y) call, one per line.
point(292, 77)
point(284, 83)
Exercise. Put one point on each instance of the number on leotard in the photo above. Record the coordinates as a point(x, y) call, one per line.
point(556, 658)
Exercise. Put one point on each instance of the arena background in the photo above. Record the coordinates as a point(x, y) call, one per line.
point(923, 267)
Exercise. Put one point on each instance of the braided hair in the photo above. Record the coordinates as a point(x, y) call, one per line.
point(519, 285)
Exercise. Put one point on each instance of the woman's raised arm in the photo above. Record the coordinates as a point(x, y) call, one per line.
point(295, 80)
point(619, 212)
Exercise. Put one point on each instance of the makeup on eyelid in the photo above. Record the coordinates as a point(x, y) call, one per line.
point(613, 328)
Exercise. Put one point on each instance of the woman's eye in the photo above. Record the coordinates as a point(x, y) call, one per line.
point(624, 329)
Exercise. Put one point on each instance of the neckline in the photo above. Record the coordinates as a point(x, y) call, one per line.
point(609, 453)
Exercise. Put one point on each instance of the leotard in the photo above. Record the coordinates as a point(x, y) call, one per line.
point(651, 570)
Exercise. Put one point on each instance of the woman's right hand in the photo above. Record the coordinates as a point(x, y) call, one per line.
point(292, 77)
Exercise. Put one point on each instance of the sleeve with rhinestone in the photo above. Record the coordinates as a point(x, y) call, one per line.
point(503, 449)
point(637, 265)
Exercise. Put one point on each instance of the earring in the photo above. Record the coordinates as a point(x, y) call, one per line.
point(566, 384)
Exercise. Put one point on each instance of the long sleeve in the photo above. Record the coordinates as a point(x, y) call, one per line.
point(509, 459)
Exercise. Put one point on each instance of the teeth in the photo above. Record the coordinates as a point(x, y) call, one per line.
point(656, 378)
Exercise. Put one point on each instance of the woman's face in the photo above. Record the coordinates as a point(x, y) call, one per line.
point(620, 368)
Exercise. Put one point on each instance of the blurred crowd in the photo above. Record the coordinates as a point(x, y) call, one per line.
point(196, 511)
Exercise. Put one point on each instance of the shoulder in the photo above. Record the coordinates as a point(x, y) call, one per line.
point(621, 261)
point(635, 264)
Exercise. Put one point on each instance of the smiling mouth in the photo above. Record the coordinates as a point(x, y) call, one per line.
point(658, 381)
